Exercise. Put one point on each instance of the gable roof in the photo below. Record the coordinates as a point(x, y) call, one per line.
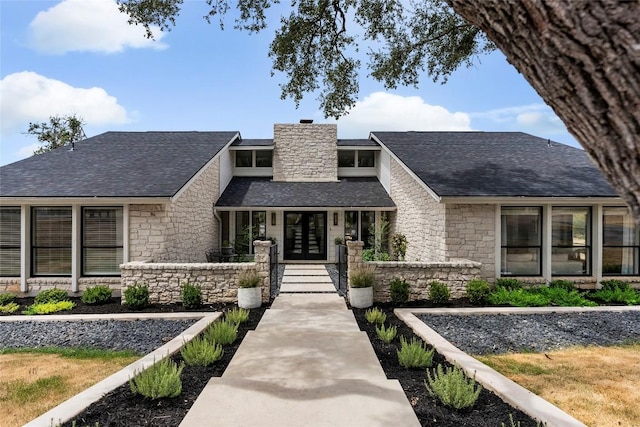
point(115, 164)
point(496, 164)
point(263, 192)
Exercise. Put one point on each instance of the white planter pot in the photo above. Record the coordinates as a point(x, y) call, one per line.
point(249, 297)
point(361, 297)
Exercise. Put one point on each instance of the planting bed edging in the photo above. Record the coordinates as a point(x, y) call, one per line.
point(68, 409)
point(512, 393)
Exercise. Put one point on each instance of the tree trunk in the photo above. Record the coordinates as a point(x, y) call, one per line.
point(583, 58)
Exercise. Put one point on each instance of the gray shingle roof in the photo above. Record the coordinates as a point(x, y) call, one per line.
point(497, 164)
point(356, 142)
point(253, 143)
point(263, 192)
point(115, 164)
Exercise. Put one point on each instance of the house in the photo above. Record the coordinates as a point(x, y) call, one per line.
point(520, 205)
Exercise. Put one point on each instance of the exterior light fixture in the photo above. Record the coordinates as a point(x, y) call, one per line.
point(273, 218)
point(335, 218)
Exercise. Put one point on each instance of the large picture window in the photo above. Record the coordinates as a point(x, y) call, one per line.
point(571, 241)
point(9, 241)
point(250, 226)
point(521, 241)
point(620, 243)
point(51, 241)
point(101, 241)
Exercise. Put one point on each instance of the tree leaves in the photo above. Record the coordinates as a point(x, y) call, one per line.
point(58, 132)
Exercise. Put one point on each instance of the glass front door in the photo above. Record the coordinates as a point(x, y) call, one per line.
point(305, 235)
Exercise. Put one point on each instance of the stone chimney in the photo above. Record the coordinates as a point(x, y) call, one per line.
point(305, 152)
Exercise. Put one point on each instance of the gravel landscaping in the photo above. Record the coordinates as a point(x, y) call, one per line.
point(503, 333)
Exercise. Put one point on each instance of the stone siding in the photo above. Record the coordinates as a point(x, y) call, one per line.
point(305, 152)
point(419, 217)
point(470, 233)
point(181, 231)
point(37, 284)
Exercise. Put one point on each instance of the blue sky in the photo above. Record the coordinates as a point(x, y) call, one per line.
point(80, 56)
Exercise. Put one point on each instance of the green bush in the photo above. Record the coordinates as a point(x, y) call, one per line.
point(452, 387)
point(616, 295)
point(399, 291)
point(399, 246)
point(191, 296)
point(386, 334)
point(612, 285)
point(414, 354)
point(51, 295)
point(508, 283)
point(9, 308)
point(7, 298)
point(478, 291)
point(160, 380)
point(439, 292)
point(371, 255)
point(49, 307)
point(362, 277)
point(249, 279)
point(375, 315)
point(538, 297)
point(221, 332)
point(100, 294)
point(137, 296)
point(563, 284)
point(237, 315)
point(201, 352)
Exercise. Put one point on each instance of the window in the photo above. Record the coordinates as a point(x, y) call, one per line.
point(101, 241)
point(571, 241)
point(51, 241)
point(521, 241)
point(9, 241)
point(366, 159)
point(351, 225)
point(254, 158)
point(264, 158)
point(367, 223)
point(346, 158)
point(620, 243)
point(244, 159)
point(249, 227)
point(356, 158)
point(224, 226)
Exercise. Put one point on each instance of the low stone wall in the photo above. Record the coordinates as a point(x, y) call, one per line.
point(37, 284)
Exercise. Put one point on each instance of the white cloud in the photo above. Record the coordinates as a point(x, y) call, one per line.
point(533, 118)
point(28, 97)
point(87, 25)
point(388, 112)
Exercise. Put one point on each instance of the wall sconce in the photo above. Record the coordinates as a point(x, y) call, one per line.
point(335, 218)
point(273, 218)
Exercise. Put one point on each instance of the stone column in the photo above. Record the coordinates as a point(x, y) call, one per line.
point(261, 251)
point(354, 257)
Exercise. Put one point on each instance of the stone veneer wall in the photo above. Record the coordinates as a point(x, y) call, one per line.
point(456, 274)
point(470, 233)
point(37, 284)
point(419, 217)
point(181, 231)
point(218, 281)
point(305, 152)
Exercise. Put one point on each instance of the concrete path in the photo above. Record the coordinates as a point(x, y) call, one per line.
point(306, 364)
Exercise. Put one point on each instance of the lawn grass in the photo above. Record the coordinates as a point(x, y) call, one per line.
point(32, 381)
point(596, 385)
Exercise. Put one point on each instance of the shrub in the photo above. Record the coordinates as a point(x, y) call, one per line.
point(386, 334)
point(237, 315)
point(563, 284)
point(478, 291)
point(362, 277)
point(414, 354)
point(452, 387)
point(612, 285)
point(249, 279)
point(51, 295)
point(7, 298)
point(137, 296)
point(439, 292)
point(338, 240)
point(191, 296)
point(9, 308)
point(399, 246)
point(508, 283)
point(49, 307)
point(160, 380)
point(100, 294)
point(372, 255)
point(201, 352)
point(374, 315)
point(399, 291)
point(538, 297)
point(626, 296)
point(221, 332)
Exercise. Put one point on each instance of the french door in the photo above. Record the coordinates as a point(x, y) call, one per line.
point(305, 235)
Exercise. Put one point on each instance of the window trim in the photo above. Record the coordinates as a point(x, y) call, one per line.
point(588, 247)
point(540, 247)
point(34, 247)
point(636, 248)
point(83, 247)
point(19, 245)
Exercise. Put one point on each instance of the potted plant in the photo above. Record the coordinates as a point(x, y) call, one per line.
point(227, 248)
point(249, 289)
point(361, 287)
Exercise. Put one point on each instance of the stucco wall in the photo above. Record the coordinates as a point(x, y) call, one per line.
point(419, 217)
point(470, 233)
point(305, 152)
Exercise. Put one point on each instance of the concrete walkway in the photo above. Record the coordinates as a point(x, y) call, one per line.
point(306, 364)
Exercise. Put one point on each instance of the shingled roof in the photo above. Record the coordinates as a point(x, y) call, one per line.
point(496, 164)
point(115, 164)
point(346, 193)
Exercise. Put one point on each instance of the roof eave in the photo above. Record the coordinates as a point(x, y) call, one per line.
point(155, 200)
point(537, 200)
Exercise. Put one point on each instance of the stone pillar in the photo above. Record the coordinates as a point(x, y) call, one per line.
point(261, 251)
point(354, 257)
